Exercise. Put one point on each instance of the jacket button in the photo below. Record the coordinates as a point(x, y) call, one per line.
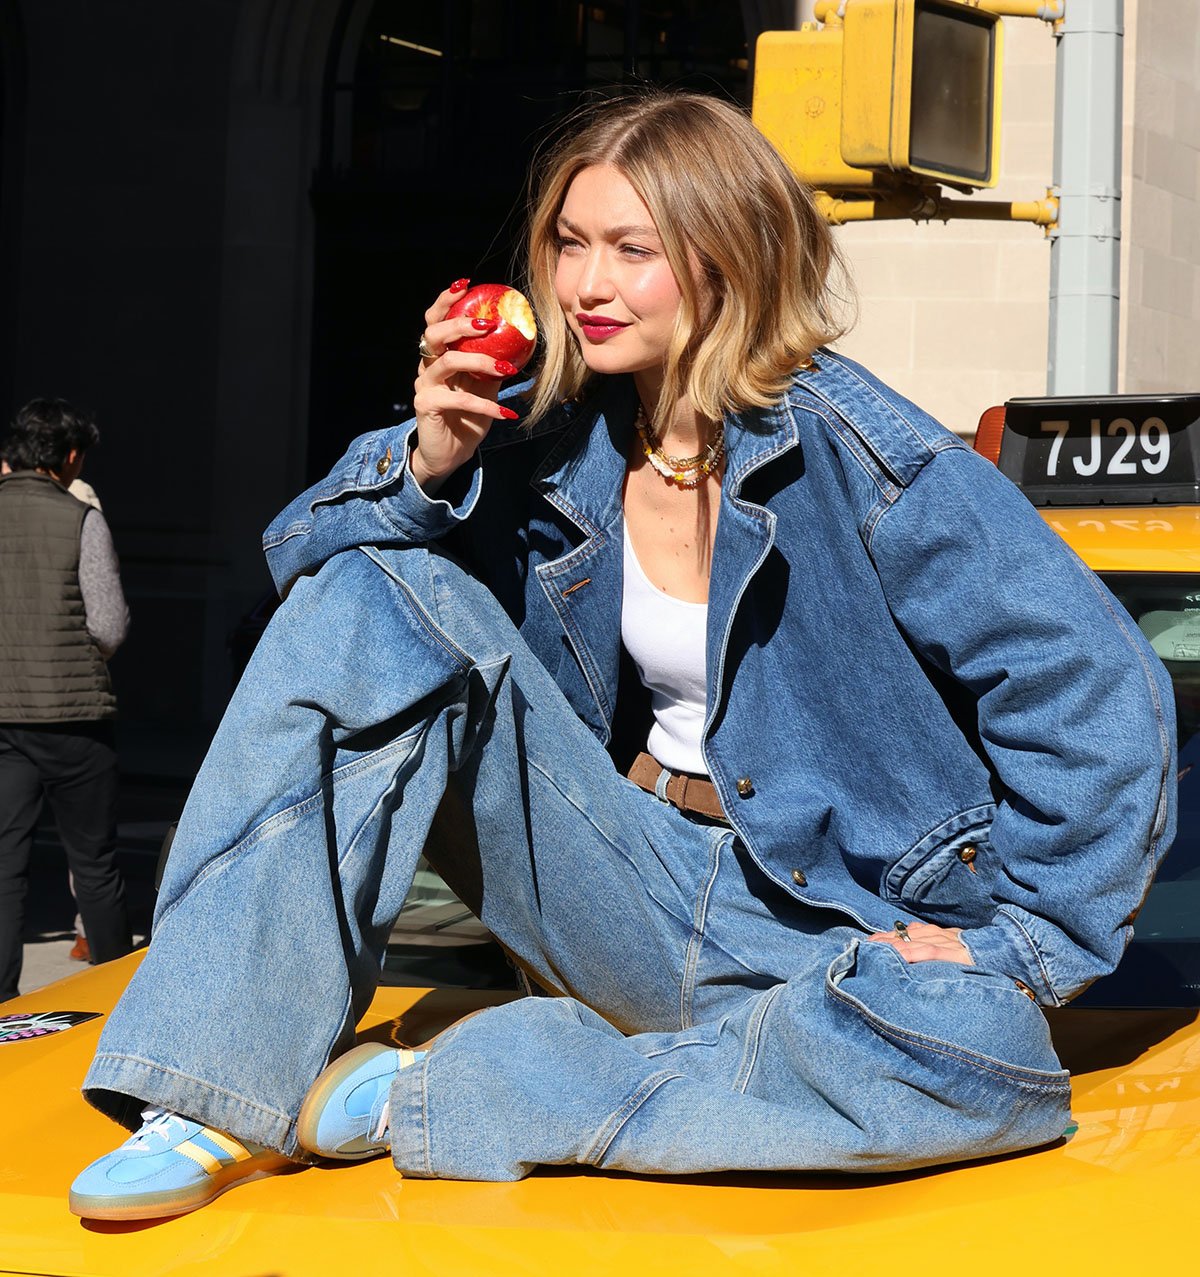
point(798, 878)
point(384, 462)
point(967, 854)
point(745, 787)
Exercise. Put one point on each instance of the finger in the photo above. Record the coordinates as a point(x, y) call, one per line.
point(446, 332)
point(917, 952)
point(444, 300)
point(448, 400)
point(456, 363)
point(932, 929)
point(922, 951)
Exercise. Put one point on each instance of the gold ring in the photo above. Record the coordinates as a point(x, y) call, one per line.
point(425, 351)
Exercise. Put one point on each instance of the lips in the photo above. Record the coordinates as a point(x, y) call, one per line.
point(599, 327)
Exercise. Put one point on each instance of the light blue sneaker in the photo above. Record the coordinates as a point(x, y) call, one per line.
point(169, 1166)
point(345, 1113)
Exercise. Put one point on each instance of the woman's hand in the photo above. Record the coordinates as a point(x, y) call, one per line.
point(927, 942)
point(455, 399)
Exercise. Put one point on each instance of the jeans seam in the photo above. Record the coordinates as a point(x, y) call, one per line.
point(691, 960)
point(275, 822)
point(421, 613)
point(753, 1038)
point(612, 842)
point(593, 1154)
point(426, 1145)
point(1027, 1079)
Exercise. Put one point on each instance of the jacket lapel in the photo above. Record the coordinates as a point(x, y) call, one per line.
point(582, 477)
point(745, 529)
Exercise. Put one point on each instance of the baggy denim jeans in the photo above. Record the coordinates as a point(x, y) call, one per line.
point(707, 1020)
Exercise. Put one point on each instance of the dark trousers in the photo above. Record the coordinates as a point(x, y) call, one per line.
point(73, 767)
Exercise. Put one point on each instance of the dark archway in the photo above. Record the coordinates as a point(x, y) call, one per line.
point(12, 107)
point(429, 120)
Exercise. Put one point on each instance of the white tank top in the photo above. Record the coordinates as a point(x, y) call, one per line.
point(666, 638)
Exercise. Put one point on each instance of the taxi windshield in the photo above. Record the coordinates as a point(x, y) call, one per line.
point(1162, 966)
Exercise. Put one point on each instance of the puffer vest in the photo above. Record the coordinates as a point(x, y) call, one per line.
point(51, 670)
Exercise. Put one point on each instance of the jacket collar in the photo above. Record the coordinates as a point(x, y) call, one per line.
point(37, 476)
point(583, 474)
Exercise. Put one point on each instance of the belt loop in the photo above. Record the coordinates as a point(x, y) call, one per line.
point(660, 785)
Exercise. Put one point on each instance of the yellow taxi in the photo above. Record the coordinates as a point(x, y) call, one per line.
point(1119, 478)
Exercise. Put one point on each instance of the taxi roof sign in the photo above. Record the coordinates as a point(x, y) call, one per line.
point(1103, 449)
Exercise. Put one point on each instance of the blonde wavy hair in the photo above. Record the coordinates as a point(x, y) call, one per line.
point(731, 213)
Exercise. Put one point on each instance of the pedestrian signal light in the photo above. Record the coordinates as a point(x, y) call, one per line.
point(900, 89)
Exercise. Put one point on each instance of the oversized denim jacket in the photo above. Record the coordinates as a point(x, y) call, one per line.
point(904, 661)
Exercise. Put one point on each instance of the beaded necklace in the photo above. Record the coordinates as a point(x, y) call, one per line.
point(683, 472)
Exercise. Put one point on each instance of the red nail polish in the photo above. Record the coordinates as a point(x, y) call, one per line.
point(484, 325)
point(504, 368)
point(508, 414)
point(459, 285)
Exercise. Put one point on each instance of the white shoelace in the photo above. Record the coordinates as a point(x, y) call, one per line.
point(155, 1121)
point(384, 1115)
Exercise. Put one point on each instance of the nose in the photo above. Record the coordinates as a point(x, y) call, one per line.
point(594, 283)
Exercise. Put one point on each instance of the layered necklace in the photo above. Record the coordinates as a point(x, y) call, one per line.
point(683, 472)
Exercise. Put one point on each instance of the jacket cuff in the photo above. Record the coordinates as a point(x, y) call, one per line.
point(416, 514)
point(1005, 946)
point(370, 498)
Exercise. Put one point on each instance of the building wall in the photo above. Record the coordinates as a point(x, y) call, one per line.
point(1160, 313)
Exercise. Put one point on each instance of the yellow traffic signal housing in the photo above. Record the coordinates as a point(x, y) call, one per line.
point(900, 89)
point(798, 105)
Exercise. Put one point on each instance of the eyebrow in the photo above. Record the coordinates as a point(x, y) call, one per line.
point(614, 232)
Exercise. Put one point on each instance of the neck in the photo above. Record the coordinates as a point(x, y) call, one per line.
point(677, 427)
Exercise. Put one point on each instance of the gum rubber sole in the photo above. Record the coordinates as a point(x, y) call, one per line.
point(314, 1102)
point(176, 1201)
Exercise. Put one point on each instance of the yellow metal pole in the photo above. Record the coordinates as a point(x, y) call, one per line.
point(917, 205)
point(928, 205)
point(1047, 10)
point(1039, 212)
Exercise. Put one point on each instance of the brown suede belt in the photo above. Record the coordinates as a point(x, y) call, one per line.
point(682, 789)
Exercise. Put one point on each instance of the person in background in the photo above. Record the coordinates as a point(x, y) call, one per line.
point(80, 950)
point(64, 615)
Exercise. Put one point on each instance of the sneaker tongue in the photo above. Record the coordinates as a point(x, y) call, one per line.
point(156, 1124)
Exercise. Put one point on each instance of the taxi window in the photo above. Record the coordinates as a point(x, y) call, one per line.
point(1162, 966)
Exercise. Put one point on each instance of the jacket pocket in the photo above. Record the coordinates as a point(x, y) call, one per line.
point(949, 871)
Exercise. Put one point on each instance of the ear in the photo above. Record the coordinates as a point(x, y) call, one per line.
point(72, 457)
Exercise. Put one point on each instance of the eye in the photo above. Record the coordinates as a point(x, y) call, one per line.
point(636, 252)
point(566, 244)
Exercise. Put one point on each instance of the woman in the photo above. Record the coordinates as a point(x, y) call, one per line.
point(902, 770)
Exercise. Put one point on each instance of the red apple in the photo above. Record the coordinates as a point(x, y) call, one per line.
point(515, 334)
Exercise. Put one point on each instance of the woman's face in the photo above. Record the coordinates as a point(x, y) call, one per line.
point(613, 280)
